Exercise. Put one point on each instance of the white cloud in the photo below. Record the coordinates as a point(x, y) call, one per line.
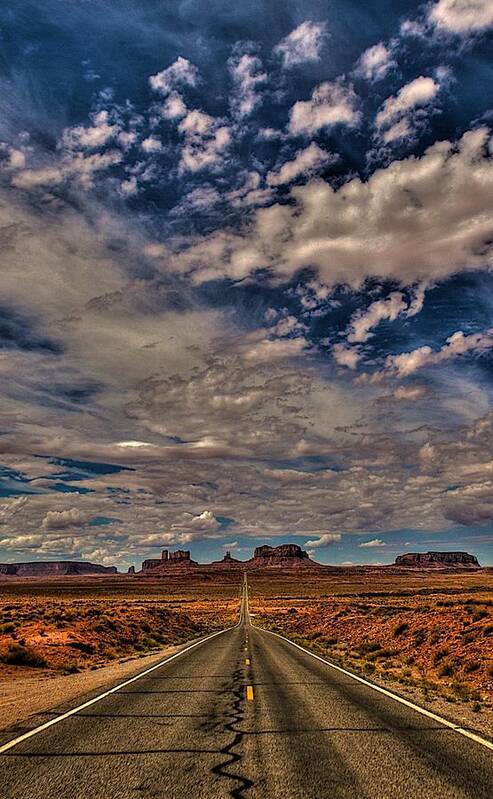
point(33, 178)
point(417, 93)
point(129, 187)
point(246, 71)
point(400, 130)
point(306, 162)
point(375, 542)
point(457, 344)
point(302, 44)
point(375, 62)
point(331, 103)
point(346, 356)
point(90, 137)
point(181, 73)
point(409, 221)
point(60, 520)
point(151, 145)
point(174, 107)
point(461, 16)
point(363, 323)
point(206, 141)
point(325, 540)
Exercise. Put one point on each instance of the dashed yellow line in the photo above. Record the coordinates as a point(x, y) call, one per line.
point(247, 662)
point(249, 693)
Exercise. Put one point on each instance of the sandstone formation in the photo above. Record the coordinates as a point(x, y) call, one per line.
point(227, 562)
point(55, 568)
point(169, 560)
point(438, 560)
point(283, 556)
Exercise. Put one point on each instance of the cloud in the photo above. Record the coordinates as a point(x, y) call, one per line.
point(331, 103)
point(302, 44)
point(306, 162)
point(406, 222)
point(181, 73)
point(363, 323)
point(152, 145)
point(375, 542)
point(375, 62)
point(246, 71)
point(461, 16)
point(91, 137)
point(60, 520)
point(457, 344)
point(418, 93)
point(346, 356)
point(174, 107)
point(325, 540)
point(206, 141)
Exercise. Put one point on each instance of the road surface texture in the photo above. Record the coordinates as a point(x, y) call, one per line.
point(244, 714)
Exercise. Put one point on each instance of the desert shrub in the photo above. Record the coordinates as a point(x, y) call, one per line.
point(488, 629)
point(292, 611)
point(419, 637)
point(473, 665)
point(440, 655)
point(367, 647)
point(401, 628)
point(8, 628)
point(69, 668)
point(447, 670)
point(19, 655)
point(82, 646)
point(479, 614)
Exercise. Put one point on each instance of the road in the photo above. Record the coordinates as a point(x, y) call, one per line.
point(244, 714)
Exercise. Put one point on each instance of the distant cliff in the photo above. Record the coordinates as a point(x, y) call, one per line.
point(437, 560)
point(283, 556)
point(169, 561)
point(55, 568)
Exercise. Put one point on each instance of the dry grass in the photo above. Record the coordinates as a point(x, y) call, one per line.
point(432, 632)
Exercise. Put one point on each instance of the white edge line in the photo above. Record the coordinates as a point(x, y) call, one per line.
point(57, 719)
point(384, 691)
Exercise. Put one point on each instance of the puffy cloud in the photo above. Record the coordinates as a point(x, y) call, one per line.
point(303, 43)
point(246, 71)
point(346, 356)
point(90, 137)
point(375, 542)
point(181, 73)
point(206, 141)
point(34, 178)
point(363, 323)
point(418, 93)
point(174, 107)
point(325, 540)
point(457, 344)
point(306, 162)
point(331, 103)
point(152, 145)
point(60, 520)
point(408, 221)
point(375, 62)
point(461, 16)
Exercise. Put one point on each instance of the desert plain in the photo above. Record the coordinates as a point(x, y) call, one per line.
point(426, 635)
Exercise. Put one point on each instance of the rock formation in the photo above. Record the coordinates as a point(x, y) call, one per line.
point(438, 560)
point(131, 570)
point(169, 561)
point(283, 556)
point(227, 562)
point(55, 568)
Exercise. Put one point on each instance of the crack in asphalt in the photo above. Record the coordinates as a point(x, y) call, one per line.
point(236, 716)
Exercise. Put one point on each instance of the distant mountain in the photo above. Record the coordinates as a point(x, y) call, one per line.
point(169, 562)
point(55, 568)
point(438, 560)
point(283, 556)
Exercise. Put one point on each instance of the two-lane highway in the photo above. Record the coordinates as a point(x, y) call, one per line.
point(244, 714)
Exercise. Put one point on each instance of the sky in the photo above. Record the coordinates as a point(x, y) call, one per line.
point(246, 292)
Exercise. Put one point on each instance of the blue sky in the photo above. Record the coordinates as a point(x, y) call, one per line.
point(246, 286)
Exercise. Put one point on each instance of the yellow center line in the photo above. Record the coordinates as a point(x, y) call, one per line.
point(249, 693)
point(247, 662)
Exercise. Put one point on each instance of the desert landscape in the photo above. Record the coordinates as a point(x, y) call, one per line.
point(422, 627)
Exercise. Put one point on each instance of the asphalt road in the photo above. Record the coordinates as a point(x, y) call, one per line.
point(245, 714)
